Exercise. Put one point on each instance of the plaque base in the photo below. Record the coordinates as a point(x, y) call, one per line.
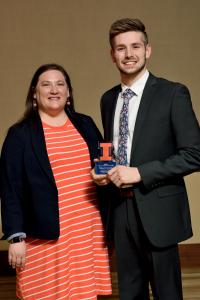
point(102, 167)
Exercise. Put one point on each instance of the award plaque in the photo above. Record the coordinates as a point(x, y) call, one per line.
point(106, 161)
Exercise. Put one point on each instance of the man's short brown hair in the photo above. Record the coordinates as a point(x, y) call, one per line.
point(124, 25)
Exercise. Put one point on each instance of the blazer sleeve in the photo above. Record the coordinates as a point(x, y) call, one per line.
point(11, 179)
point(89, 131)
point(186, 132)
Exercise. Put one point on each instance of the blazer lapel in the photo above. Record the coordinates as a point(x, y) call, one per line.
point(147, 96)
point(110, 111)
point(39, 146)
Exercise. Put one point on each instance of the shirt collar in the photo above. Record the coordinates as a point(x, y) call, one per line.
point(138, 86)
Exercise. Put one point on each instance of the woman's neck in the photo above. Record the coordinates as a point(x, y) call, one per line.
point(54, 120)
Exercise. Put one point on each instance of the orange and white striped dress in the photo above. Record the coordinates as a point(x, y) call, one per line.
point(76, 266)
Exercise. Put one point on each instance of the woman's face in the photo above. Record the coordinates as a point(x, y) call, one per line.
point(51, 92)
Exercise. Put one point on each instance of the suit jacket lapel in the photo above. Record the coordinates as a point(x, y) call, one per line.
point(147, 96)
point(110, 108)
point(39, 146)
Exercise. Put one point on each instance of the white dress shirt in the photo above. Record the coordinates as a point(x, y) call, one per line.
point(134, 103)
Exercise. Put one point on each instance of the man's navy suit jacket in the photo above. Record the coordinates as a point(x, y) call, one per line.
point(165, 148)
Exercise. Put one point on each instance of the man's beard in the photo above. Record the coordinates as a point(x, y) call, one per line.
point(134, 72)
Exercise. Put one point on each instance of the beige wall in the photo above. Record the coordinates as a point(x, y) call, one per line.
point(74, 33)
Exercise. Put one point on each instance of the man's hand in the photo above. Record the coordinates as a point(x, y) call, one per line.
point(16, 254)
point(122, 175)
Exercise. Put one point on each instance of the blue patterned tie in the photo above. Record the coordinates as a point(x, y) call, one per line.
point(123, 128)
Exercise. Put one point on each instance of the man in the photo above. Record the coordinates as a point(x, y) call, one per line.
point(156, 140)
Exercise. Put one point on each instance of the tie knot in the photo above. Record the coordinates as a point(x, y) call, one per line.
point(127, 94)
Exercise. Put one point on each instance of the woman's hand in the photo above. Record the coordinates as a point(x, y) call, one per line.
point(17, 255)
point(100, 179)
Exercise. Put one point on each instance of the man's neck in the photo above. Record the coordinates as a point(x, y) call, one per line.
point(129, 79)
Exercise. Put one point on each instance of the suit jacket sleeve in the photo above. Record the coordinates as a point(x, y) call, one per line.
point(186, 134)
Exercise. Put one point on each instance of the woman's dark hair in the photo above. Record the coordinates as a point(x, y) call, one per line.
point(30, 108)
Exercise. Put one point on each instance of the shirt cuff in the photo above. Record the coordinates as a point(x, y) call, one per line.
point(20, 234)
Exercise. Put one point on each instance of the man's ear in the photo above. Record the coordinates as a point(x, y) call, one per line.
point(112, 54)
point(148, 51)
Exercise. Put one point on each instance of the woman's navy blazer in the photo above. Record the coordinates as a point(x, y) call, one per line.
point(29, 196)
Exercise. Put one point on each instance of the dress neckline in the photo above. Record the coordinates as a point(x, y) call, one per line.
point(54, 126)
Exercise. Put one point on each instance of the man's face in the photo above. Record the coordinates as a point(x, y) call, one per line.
point(130, 53)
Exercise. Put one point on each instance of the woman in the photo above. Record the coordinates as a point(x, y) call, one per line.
point(50, 213)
